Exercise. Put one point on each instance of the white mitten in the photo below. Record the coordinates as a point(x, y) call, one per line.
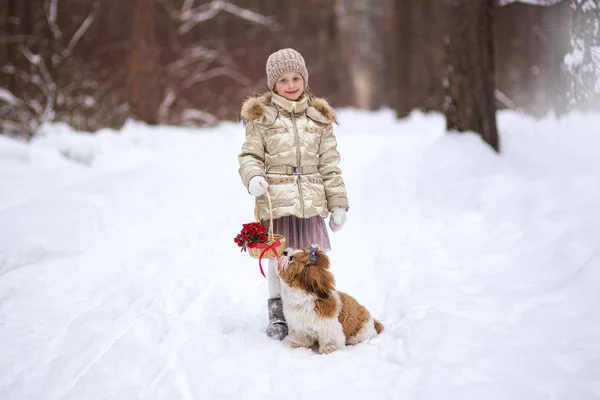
point(257, 186)
point(337, 218)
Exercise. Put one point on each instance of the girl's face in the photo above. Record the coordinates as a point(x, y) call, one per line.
point(290, 85)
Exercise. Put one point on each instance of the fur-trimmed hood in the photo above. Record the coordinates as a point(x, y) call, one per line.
point(299, 134)
point(263, 109)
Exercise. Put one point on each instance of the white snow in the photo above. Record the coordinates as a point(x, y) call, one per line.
point(119, 277)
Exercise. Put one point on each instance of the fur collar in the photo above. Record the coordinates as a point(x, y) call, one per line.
point(260, 107)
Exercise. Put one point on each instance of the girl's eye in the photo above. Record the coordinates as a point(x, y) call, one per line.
point(282, 81)
point(296, 78)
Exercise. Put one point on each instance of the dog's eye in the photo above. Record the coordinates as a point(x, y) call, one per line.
point(291, 258)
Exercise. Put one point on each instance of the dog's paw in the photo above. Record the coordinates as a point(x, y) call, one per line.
point(353, 340)
point(301, 341)
point(328, 348)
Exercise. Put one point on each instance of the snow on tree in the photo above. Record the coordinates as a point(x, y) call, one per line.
point(41, 71)
point(197, 62)
point(583, 62)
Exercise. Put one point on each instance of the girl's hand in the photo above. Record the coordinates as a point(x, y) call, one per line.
point(337, 219)
point(257, 186)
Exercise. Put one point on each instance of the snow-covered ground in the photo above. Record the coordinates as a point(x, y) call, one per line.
point(119, 277)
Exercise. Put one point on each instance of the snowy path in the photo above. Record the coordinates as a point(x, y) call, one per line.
point(122, 281)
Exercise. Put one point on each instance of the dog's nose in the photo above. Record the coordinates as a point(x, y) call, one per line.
point(285, 253)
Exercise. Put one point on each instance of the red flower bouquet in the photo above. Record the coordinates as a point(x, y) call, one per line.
point(252, 234)
point(260, 242)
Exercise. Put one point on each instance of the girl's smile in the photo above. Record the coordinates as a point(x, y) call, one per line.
point(290, 85)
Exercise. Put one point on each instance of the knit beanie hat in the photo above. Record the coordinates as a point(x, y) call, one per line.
point(282, 61)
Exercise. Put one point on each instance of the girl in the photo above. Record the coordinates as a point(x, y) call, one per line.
point(290, 150)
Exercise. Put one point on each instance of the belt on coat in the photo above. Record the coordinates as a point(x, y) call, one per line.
point(292, 170)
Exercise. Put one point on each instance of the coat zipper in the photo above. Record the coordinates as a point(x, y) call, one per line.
point(297, 154)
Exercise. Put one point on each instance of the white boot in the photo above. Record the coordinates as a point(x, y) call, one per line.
point(277, 328)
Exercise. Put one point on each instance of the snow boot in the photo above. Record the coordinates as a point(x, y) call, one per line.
point(277, 328)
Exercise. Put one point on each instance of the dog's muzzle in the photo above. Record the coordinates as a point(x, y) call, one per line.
point(284, 259)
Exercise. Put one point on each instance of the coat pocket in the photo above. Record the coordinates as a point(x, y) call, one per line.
point(278, 139)
point(311, 136)
point(313, 190)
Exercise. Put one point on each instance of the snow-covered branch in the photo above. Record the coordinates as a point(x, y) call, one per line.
point(187, 7)
point(505, 100)
point(192, 17)
point(191, 116)
point(8, 97)
point(197, 63)
point(500, 3)
point(43, 61)
point(213, 73)
point(49, 86)
point(165, 105)
point(51, 13)
point(84, 27)
point(38, 61)
point(191, 56)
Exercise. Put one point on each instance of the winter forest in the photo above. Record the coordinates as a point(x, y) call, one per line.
point(448, 153)
point(95, 63)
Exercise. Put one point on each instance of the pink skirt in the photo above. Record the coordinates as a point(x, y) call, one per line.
point(301, 233)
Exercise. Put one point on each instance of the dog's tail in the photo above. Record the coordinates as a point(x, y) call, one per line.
point(378, 326)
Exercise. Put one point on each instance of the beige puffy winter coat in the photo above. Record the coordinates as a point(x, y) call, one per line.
point(292, 145)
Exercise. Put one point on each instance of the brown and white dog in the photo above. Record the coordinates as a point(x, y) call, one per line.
point(316, 313)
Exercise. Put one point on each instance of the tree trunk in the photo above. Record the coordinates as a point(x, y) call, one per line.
point(346, 28)
point(404, 39)
point(142, 79)
point(325, 26)
point(20, 24)
point(389, 53)
point(4, 34)
point(366, 63)
point(469, 76)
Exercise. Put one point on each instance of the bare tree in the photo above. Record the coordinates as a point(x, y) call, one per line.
point(37, 68)
point(190, 16)
point(195, 62)
point(469, 74)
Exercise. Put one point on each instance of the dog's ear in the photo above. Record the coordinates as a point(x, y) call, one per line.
point(322, 259)
point(318, 280)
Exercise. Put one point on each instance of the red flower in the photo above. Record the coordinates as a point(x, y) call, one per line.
point(251, 234)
